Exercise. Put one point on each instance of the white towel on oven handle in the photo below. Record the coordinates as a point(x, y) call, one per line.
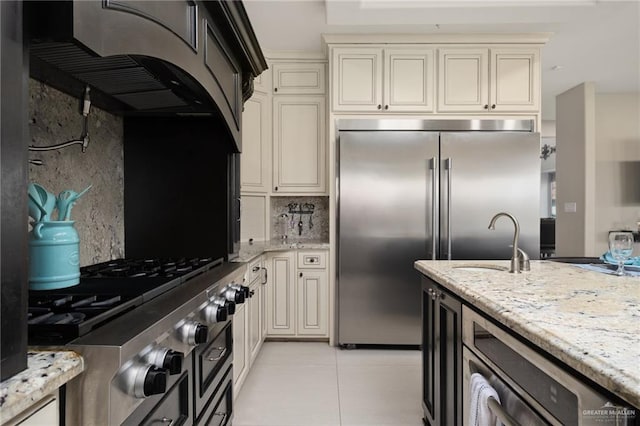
point(481, 390)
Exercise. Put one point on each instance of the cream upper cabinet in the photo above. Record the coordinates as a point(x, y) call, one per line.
point(463, 79)
point(255, 166)
point(389, 80)
point(488, 80)
point(408, 80)
point(515, 79)
point(299, 78)
point(299, 145)
point(357, 79)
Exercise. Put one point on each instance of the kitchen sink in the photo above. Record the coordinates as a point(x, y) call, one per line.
point(481, 268)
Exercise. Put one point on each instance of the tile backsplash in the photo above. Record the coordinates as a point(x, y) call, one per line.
point(99, 215)
point(314, 226)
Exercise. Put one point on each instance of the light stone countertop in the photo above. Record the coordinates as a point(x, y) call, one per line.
point(588, 320)
point(249, 251)
point(46, 371)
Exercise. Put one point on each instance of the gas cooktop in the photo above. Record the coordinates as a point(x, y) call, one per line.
point(106, 291)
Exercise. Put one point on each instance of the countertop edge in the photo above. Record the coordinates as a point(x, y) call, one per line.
point(46, 372)
point(560, 349)
point(249, 251)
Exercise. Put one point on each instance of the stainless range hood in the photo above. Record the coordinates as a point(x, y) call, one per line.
point(148, 57)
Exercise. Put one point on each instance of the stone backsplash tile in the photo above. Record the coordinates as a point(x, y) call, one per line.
point(99, 215)
point(319, 220)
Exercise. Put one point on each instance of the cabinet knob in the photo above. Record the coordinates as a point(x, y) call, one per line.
point(379, 106)
point(386, 107)
point(300, 273)
point(275, 89)
point(486, 106)
point(276, 188)
point(493, 106)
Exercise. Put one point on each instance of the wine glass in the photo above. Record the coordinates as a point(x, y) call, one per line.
point(620, 247)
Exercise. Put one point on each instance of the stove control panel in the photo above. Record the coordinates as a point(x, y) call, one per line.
point(193, 333)
point(232, 294)
point(165, 358)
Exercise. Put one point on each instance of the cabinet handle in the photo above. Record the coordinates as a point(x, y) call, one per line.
point(386, 107)
point(223, 352)
point(301, 274)
point(275, 89)
point(265, 276)
point(486, 106)
point(493, 106)
point(166, 420)
point(255, 269)
point(379, 106)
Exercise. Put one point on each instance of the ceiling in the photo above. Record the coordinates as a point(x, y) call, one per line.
point(592, 40)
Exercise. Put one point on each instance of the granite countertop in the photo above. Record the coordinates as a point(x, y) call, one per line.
point(588, 320)
point(248, 251)
point(46, 371)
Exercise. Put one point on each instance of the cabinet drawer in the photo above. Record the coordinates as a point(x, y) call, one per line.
point(315, 260)
point(299, 78)
point(253, 270)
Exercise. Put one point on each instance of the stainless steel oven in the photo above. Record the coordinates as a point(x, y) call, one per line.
point(533, 390)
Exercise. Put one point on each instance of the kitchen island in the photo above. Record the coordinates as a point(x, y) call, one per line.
point(587, 320)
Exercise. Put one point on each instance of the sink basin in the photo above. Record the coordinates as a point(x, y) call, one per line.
point(481, 268)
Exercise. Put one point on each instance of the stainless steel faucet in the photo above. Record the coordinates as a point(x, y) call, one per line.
point(519, 259)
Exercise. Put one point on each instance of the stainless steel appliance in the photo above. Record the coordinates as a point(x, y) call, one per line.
point(424, 189)
point(156, 338)
point(532, 389)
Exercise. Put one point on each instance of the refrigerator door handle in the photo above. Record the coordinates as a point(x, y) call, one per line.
point(448, 165)
point(433, 165)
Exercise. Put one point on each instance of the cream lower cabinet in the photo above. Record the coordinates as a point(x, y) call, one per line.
point(299, 144)
point(487, 80)
point(386, 80)
point(44, 412)
point(298, 295)
point(255, 307)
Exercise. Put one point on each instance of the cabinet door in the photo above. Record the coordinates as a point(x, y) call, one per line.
point(408, 82)
point(281, 302)
point(463, 81)
point(263, 302)
point(44, 412)
point(256, 144)
point(357, 79)
point(299, 78)
point(240, 358)
point(299, 144)
point(254, 214)
point(255, 315)
point(313, 303)
point(430, 391)
point(515, 79)
point(449, 323)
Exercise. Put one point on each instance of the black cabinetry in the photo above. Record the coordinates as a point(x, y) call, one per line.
point(441, 356)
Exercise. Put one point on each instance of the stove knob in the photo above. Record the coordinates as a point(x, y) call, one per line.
point(143, 380)
point(231, 307)
point(155, 381)
point(193, 333)
point(215, 312)
point(166, 358)
point(233, 295)
point(173, 362)
point(241, 288)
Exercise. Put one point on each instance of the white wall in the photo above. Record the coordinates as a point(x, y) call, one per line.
point(617, 153)
point(598, 168)
point(575, 171)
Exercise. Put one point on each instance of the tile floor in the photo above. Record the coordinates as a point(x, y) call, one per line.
point(302, 383)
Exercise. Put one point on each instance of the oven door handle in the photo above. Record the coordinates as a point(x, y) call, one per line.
point(223, 352)
point(164, 420)
point(500, 413)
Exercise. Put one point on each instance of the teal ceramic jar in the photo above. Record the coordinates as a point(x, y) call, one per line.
point(54, 255)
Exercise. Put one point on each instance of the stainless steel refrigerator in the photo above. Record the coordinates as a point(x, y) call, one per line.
point(424, 189)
